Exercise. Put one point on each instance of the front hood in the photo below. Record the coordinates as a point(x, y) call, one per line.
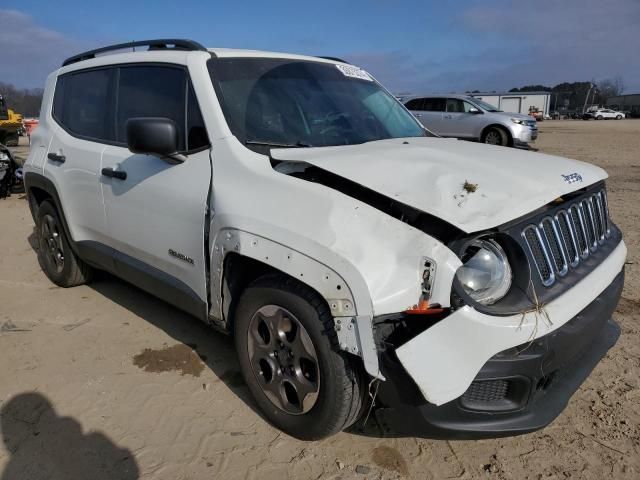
point(471, 186)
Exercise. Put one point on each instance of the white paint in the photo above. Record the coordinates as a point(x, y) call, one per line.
point(429, 174)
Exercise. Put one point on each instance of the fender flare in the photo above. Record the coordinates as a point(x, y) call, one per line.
point(36, 180)
point(352, 319)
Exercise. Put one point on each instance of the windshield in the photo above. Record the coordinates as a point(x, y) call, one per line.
point(287, 103)
point(485, 106)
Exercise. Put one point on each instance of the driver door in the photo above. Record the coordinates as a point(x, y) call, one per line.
point(155, 211)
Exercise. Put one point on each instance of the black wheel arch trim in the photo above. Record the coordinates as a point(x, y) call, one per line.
point(35, 180)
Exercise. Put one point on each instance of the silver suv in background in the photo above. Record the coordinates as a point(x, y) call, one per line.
point(466, 117)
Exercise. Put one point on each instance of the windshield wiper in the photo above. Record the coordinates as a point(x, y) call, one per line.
point(276, 144)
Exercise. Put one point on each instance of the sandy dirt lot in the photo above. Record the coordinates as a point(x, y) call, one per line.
point(105, 381)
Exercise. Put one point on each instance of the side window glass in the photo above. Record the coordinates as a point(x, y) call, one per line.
point(467, 107)
point(58, 99)
point(455, 105)
point(434, 104)
point(196, 131)
point(415, 104)
point(83, 107)
point(151, 91)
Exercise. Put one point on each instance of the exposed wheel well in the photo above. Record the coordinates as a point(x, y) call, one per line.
point(500, 127)
point(239, 272)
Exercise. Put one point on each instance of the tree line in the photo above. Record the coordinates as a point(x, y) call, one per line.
point(22, 100)
point(573, 96)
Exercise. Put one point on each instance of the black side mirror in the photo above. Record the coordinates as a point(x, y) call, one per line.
point(155, 136)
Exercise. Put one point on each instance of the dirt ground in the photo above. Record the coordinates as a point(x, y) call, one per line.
point(105, 381)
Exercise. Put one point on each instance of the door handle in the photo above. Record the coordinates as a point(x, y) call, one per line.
point(55, 157)
point(111, 173)
point(418, 115)
point(447, 116)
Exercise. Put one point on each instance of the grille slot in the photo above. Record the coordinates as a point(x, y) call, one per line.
point(486, 391)
point(562, 241)
point(578, 225)
point(568, 237)
point(587, 213)
point(554, 242)
point(539, 252)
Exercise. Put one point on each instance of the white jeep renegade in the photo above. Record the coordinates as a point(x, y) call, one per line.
point(293, 202)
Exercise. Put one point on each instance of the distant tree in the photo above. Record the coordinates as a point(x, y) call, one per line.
point(531, 88)
point(25, 101)
point(610, 87)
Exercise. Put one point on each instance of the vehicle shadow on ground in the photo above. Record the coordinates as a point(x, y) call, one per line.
point(215, 349)
point(44, 445)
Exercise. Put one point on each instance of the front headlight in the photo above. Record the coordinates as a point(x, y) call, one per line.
point(4, 156)
point(485, 274)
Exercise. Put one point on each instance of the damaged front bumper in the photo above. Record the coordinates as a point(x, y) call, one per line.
point(519, 390)
point(473, 375)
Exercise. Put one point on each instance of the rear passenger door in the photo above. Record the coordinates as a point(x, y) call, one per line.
point(82, 109)
point(156, 215)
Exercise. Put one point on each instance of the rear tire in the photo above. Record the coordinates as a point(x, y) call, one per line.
point(495, 136)
point(55, 255)
point(273, 314)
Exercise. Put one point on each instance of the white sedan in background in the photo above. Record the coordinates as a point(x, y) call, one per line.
point(607, 113)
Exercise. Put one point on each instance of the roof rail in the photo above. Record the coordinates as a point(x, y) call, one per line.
point(160, 44)
point(335, 59)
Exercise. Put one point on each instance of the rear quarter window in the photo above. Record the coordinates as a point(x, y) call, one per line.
point(81, 103)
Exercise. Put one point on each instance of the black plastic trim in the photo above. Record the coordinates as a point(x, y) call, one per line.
point(35, 180)
point(157, 44)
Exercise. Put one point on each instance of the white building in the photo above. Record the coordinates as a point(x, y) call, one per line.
point(518, 102)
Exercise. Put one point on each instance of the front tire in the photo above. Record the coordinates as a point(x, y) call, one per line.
point(289, 356)
point(495, 136)
point(55, 256)
point(599, 117)
point(618, 117)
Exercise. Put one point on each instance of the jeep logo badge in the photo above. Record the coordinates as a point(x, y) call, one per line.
point(572, 178)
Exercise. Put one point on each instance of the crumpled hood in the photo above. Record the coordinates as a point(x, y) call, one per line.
point(472, 186)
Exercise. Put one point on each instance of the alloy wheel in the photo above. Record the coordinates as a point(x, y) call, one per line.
point(493, 138)
point(283, 360)
point(52, 237)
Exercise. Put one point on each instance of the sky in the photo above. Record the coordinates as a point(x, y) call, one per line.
point(408, 45)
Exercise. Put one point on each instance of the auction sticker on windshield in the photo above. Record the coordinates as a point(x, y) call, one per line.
point(354, 72)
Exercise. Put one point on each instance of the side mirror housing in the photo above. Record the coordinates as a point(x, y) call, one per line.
point(474, 110)
point(154, 136)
